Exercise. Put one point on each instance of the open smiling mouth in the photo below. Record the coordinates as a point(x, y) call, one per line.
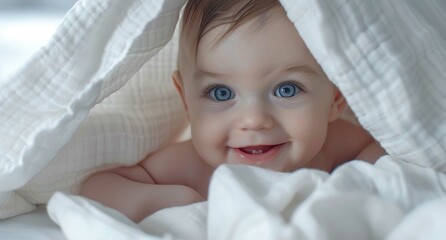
point(257, 149)
point(260, 153)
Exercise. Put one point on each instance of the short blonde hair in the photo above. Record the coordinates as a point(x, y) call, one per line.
point(201, 16)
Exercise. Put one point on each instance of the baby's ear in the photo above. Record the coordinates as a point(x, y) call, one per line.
point(178, 82)
point(337, 106)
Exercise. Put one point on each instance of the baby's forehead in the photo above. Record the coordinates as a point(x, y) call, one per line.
point(247, 54)
point(254, 23)
point(219, 29)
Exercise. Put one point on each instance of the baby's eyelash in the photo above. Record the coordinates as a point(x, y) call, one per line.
point(208, 89)
point(298, 84)
point(288, 89)
point(295, 83)
point(218, 93)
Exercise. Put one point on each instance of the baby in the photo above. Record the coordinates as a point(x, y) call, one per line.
point(254, 95)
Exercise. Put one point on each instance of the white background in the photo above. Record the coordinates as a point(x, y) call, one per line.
point(25, 26)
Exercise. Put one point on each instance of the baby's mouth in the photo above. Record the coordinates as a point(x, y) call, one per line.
point(258, 154)
point(257, 149)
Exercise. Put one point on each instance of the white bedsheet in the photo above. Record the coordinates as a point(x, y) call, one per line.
point(357, 201)
point(388, 59)
point(35, 225)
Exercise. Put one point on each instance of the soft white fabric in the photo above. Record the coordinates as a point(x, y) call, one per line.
point(188, 222)
point(50, 139)
point(389, 200)
point(388, 59)
point(36, 225)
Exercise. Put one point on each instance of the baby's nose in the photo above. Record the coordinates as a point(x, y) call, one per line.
point(254, 118)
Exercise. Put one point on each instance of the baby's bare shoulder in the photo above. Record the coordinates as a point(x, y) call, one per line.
point(173, 164)
point(345, 140)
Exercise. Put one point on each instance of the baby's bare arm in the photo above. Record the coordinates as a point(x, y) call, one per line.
point(136, 193)
point(136, 199)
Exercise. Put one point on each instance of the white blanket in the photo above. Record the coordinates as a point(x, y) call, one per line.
point(358, 201)
point(387, 57)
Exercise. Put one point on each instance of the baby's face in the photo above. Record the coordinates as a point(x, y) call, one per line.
point(258, 97)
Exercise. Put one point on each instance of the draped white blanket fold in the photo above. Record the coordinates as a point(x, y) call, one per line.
point(387, 57)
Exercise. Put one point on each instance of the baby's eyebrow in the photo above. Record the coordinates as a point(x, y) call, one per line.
point(200, 75)
point(300, 68)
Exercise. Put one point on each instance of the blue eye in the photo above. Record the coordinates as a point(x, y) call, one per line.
point(287, 90)
point(221, 93)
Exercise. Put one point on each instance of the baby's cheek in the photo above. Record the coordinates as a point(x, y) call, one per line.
point(209, 137)
point(310, 133)
point(203, 133)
